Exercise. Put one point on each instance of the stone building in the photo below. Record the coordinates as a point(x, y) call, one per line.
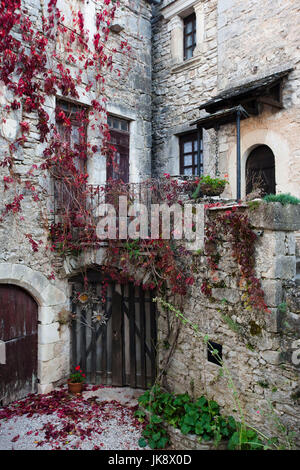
point(210, 86)
point(242, 53)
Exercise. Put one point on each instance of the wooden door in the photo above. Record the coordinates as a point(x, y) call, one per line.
point(18, 332)
point(122, 351)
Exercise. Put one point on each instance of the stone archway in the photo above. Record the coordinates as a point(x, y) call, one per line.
point(53, 341)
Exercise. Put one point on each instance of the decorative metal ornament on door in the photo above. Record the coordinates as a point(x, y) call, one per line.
point(114, 333)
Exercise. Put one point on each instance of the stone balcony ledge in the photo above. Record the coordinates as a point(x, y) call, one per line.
point(275, 216)
point(267, 215)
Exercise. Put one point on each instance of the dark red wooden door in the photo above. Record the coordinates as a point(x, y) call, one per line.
point(18, 330)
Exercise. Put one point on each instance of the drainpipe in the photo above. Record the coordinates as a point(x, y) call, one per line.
point(199, 138)
point(238, 155)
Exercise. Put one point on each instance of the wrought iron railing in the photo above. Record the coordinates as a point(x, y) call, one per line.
point(79, 206)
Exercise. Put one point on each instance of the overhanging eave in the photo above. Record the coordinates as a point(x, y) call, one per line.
point(220, 118)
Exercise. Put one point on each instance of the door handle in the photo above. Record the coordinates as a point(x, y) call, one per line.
point(2, 353)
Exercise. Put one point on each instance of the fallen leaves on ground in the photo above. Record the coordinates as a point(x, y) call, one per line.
point(79, 418)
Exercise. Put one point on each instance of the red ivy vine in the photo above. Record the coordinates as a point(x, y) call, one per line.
point(32, 70)
point(234, 224)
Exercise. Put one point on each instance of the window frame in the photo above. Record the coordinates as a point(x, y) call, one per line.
point(71, 109)
point(65, 194)
point(187, 20)
point(118, 131)
point(197, 154)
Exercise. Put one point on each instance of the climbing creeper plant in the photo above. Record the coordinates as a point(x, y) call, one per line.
point(33, 68)
point(233, 223)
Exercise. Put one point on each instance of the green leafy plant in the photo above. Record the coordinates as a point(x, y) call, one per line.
point(234, 326)
point(78, 376)
point(154, 434)
point(201, 417)
point(157, 437)
point(207, 184)
point(242, 436)
point(253, 205)
point(133, 248)
point(245, 439)
point(282, 307)
point(284, 198)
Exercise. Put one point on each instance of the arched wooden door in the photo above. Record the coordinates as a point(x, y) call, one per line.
point(18, 343)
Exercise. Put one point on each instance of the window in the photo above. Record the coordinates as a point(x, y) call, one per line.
point(119, 132)
point(191, 157)
point(71, 124)
point(74, 131)
point(189, 36)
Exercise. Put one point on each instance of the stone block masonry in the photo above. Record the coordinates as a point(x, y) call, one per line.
point(241, 41)
point(257, 347)
point(179, 88)
point(159, 94)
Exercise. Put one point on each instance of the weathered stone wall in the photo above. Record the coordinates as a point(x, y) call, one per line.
point(178, 441)
point(242, 41)
point(256, 39)
point(128, 96)
point(180, 87)
point(259, 349)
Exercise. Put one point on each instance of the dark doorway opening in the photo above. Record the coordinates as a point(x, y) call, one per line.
point(260, 171)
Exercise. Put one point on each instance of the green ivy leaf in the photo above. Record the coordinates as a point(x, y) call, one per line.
point(162, 442)
point(234, 441)
point(156, 436)
point(185, 429)
point(155, 419)
point(199, 429)
point(152, 444)
point(142, 442)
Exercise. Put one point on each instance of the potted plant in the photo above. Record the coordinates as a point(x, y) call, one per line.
point(75, 381)
point(209, 186)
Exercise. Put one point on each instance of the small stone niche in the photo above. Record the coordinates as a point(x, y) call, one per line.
point(214, 358)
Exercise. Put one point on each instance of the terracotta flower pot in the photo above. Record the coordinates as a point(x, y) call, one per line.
point(75, 388)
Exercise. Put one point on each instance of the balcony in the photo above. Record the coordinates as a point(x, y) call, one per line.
point(76, 209)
